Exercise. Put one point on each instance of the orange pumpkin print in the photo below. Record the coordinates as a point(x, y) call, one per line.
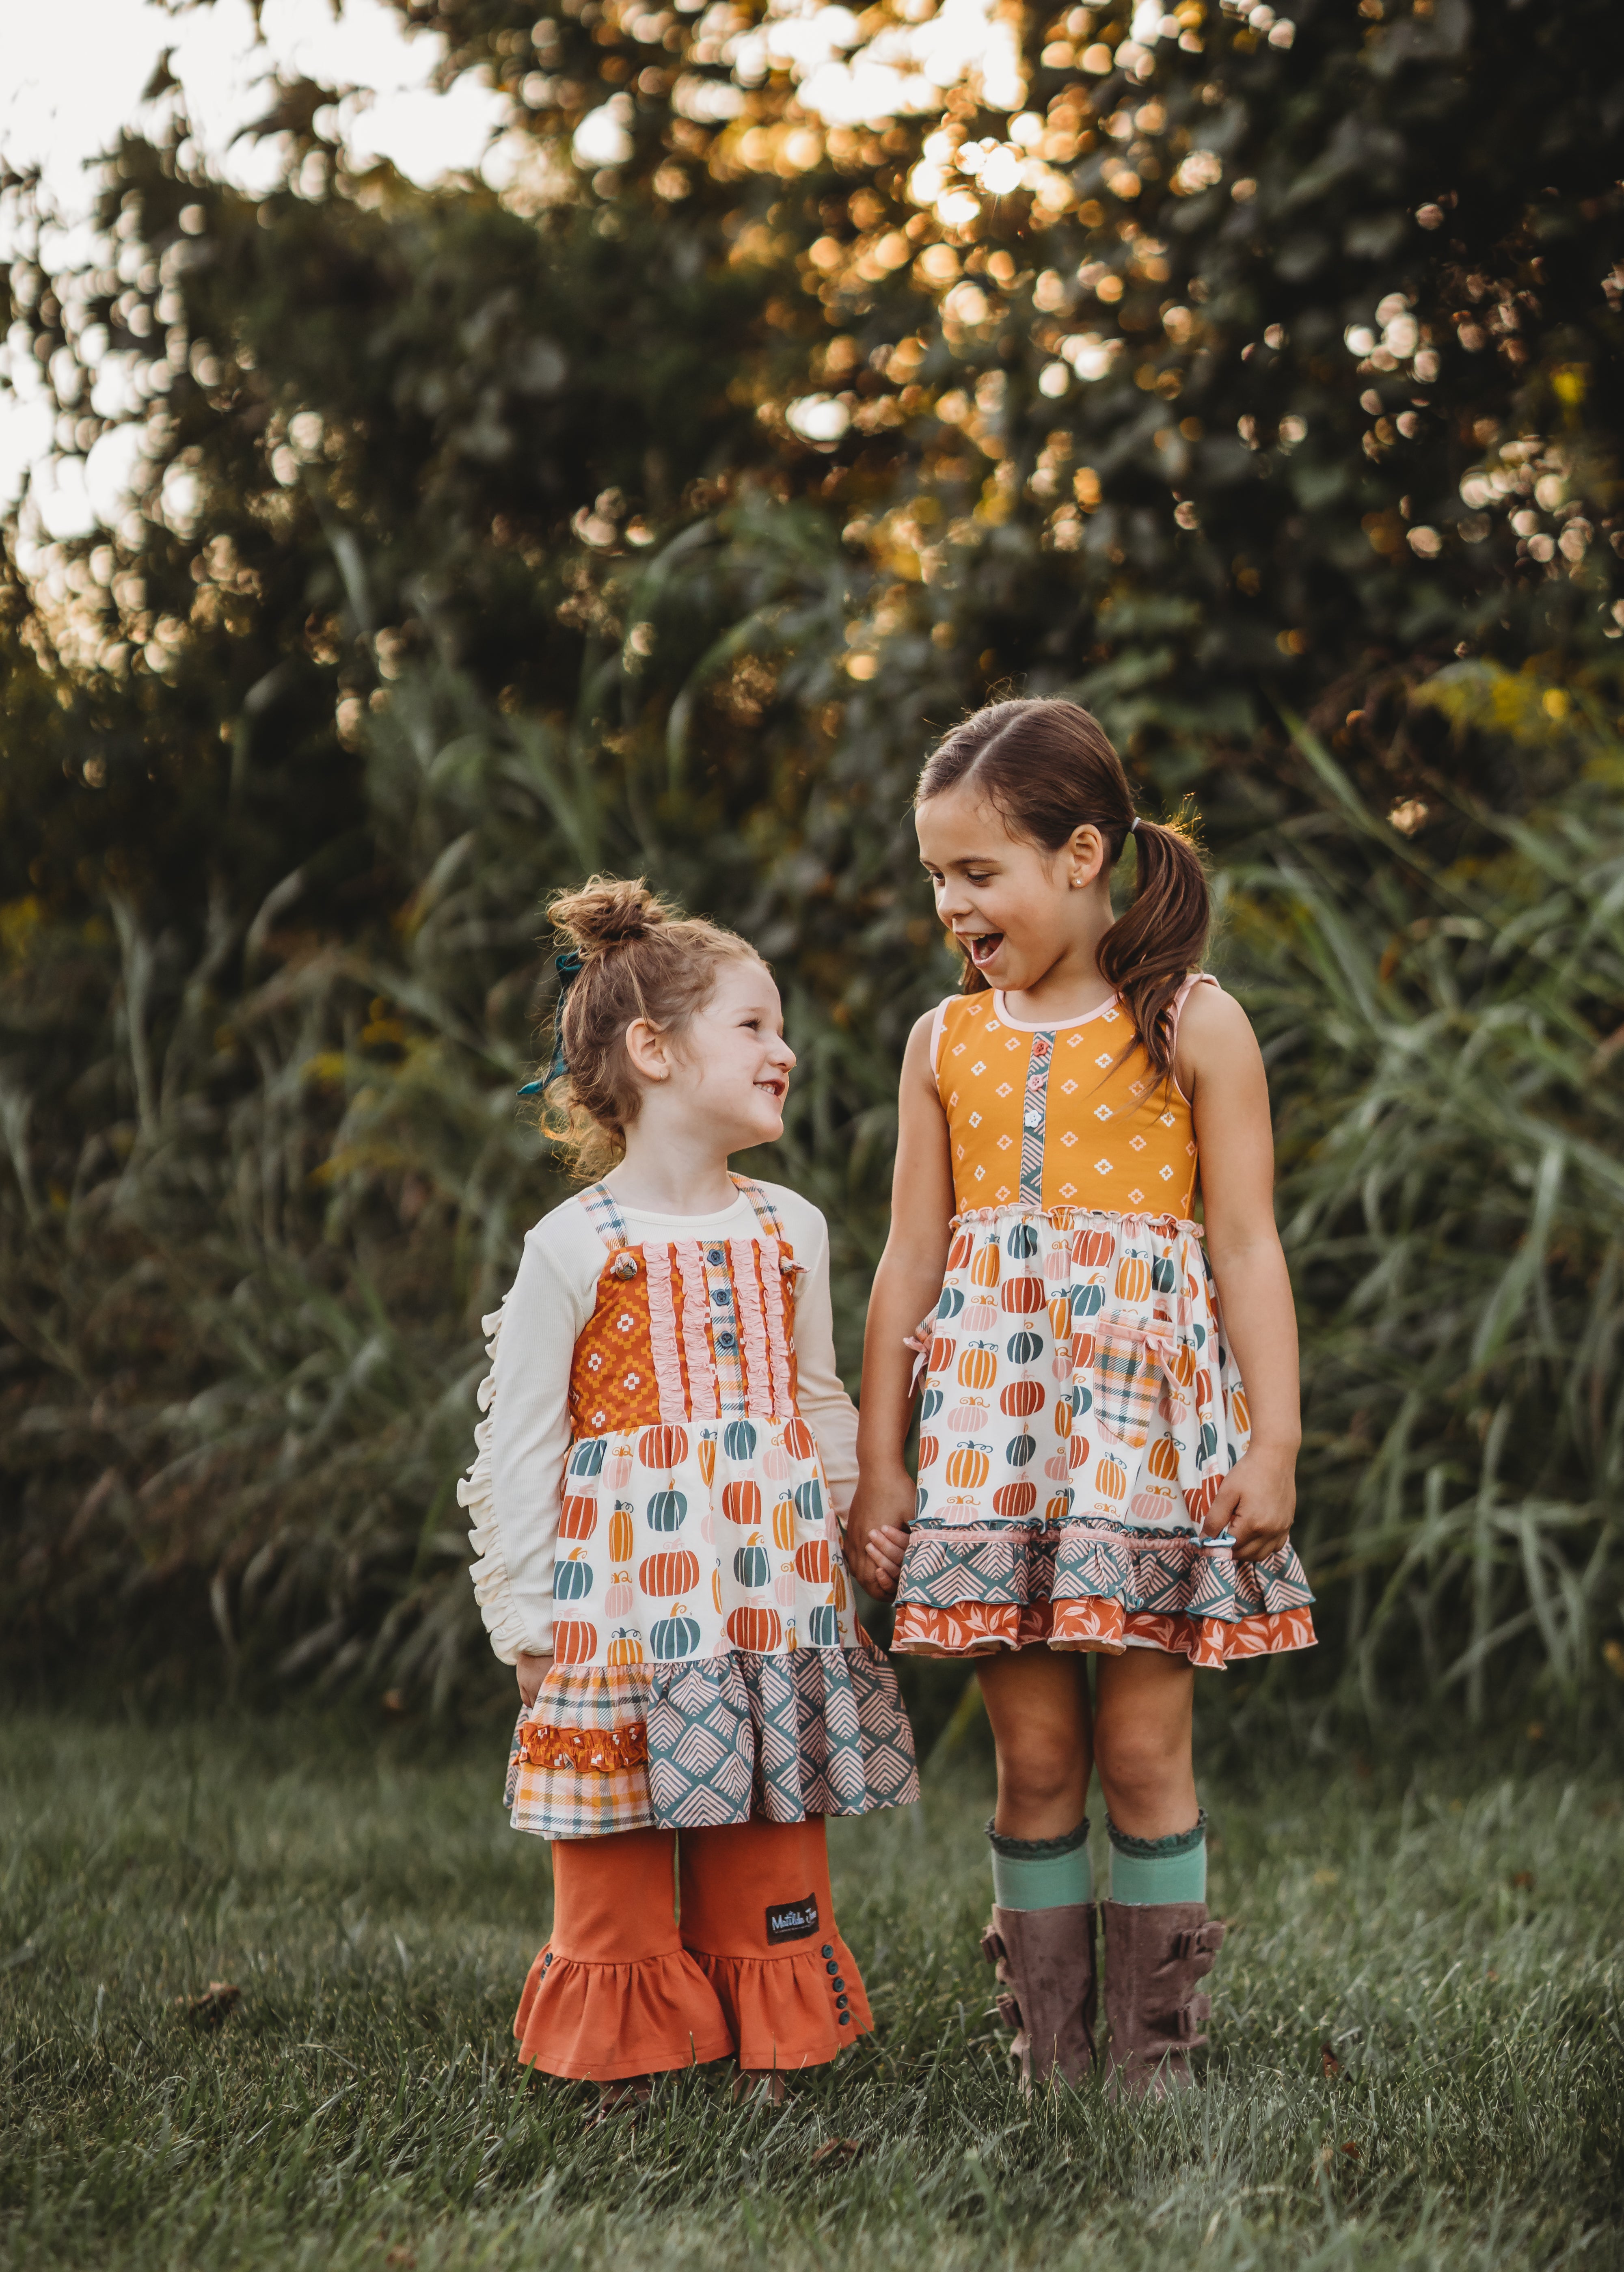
point(1021, 1398)
point(1164, 1459)
point(1181, 1367)
point(578, 1518)
point(1242, 1410)
point(620, 1540)
point(798, 1439)
point(840, 1587)
point(968, 1467)
point(930, 1451)
point(941, 1353)
point(741, 1503)
point(663, 1575)
point(1020, 1296)
point(1093, 1249)
point(708, 1456)
point(958, 1253)
point(986, 1269)
point(754, 1628)
point(1015, 1500)
point(1111, 1477)
point(1079, 1457)
point(573, 1640)
point(1061, 1316)
point(716, 1589)
point(625, 1648)
point(811, 1560)
point(1132, 1278)
point(665, 1448)
point(1083, 1352)
point(1062, 1419)
point(978, 1367)
point(783, 1523)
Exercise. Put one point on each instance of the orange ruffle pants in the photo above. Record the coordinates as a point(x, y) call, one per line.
point(753, 1967)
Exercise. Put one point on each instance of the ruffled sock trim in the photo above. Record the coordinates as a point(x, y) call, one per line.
point(603, 2023)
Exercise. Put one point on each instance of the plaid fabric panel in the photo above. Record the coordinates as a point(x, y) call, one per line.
point(1127, 1381)
point(767, 1214)
point(1034, 1114)
point(605, 1216)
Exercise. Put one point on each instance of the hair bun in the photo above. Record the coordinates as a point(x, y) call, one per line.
point(608, 911)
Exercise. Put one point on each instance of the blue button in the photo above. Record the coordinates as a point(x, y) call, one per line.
point(845, 2018)
point(725, 1341)
point(714, 1257)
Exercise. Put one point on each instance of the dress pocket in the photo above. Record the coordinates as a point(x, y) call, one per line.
point(1128, 1375)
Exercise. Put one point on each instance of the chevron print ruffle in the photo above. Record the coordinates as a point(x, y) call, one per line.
point(727, 1739)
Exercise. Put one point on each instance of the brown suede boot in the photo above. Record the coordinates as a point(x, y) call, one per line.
point(1045, 1967)
point(1155, 1954)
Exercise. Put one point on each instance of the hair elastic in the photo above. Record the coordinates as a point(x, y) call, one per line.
point(1134, 830)
point(568, 966)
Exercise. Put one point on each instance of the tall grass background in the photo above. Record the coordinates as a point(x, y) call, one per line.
point(248, 1224)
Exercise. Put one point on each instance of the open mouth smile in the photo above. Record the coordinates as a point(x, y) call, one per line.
point(981, 946)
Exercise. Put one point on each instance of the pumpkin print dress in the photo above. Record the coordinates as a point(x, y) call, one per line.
point(1082, 1408)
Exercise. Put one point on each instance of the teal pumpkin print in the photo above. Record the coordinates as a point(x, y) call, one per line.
point(587, 1459)
point(1163, 1275)
point(571, 1582)
point(738, 1439)
point(750, 1565)
point(1079, 1396)
point(666, 1510)
point(1089, 1301)
point(1020, 1450)
point(823, 1627)
point(1209, 1442)
point(1200, 1333)
point(1023, 1241)
point(809, 1502)
point(952, 1302)
point(1024, 1348)
point(922, 1500)
point(931, 1404)
point(678, 1635)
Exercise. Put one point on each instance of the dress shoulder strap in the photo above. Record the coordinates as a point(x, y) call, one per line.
point(767, 1214)
point(605, 1216)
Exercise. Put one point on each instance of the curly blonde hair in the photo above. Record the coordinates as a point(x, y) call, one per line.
point(640, 958)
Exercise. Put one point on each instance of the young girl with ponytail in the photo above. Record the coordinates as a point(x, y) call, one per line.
point(1093, 1476)
point(666, 1459)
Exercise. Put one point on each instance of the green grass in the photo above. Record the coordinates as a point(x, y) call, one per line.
point(1454, 1940)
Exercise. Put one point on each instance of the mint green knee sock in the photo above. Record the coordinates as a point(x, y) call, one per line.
point(1152, 1869)
point(1040, 1873)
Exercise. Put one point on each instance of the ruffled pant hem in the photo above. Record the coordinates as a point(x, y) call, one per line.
point(602, 2023)
point(779, 2009)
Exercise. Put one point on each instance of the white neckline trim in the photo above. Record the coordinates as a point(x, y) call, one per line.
point(1057, 1026)
point(691, 1222)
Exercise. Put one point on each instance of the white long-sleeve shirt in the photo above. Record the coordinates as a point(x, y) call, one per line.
point(514, 1489)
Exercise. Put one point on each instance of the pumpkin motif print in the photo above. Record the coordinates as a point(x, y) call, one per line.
point(1081, 1406)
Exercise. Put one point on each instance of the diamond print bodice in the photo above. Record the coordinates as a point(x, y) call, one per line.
point(1073, 1115)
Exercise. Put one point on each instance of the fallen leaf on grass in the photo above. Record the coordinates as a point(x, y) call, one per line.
point(1328, 2061)
point(835, 2153)
point(1351, 2150)
point(212, 2008)
point(403, 2256)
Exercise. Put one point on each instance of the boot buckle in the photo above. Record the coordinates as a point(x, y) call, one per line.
point(1009, 2011)
point(1191, 2018)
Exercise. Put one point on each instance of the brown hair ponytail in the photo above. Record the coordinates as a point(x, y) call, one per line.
point(1048, 768)
point(630, 956)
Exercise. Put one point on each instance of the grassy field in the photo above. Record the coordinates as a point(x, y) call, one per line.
point(1416, 2054)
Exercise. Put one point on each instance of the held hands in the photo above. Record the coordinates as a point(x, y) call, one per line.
point(876, 1529)
point(531, 1671)
point(1257, 1502)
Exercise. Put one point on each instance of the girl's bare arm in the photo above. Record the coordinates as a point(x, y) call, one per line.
point(907, 1286)
point(1220, 1068)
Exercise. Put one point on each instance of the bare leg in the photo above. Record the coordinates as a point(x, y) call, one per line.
point(1142, 1742)
point(1038, 1701)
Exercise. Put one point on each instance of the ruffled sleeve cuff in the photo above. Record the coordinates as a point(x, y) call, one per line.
point(516, 1627)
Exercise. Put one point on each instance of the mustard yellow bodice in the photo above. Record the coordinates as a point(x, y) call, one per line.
point(1070, 1114)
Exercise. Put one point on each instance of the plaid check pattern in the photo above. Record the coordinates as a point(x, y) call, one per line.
point(1126, 1380)
point(1034, 1113)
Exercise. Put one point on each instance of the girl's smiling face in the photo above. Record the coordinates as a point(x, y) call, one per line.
point(1014, 908)
point(732, 1061)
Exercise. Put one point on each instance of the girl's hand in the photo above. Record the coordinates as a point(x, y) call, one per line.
point(876, 1529)
point(1257, 1503)
point(531, 1671)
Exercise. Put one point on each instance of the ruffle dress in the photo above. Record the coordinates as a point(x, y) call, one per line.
point(1082, 1407)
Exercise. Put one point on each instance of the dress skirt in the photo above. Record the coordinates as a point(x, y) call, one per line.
point(1080, 1413)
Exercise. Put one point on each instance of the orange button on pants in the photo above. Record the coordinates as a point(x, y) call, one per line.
point(753, 1968)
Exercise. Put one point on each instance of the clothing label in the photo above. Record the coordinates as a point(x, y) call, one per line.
point(792, 1920)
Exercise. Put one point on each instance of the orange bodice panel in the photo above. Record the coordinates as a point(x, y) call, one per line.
point(1073, 1115)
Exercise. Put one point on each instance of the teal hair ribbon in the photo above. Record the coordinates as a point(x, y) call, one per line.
point(568, 966)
